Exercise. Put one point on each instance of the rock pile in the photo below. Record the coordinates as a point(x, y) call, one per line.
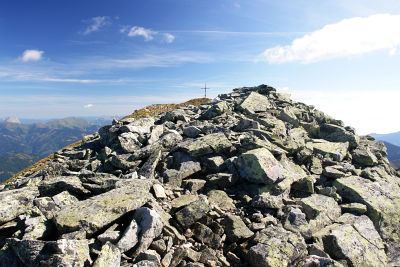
point(249, 179)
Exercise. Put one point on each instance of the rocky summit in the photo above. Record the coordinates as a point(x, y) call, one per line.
point(251, 178)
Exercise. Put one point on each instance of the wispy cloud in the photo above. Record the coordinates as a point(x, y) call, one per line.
point(221, 32)
point(88, 106)
point(31, 55)
point(169, 38)
point(147, 34)
point(346, 38)
point(161, 59)
point(96, 23)
point(68, 80)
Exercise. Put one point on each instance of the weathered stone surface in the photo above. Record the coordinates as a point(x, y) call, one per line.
point(211, 143)
point(383, 202)
point(129, 237)
point(220, 199)
point(337, 151)
point(98, 211)
point(320, 210)
point(150, 224)
point(255, 102)
point(357, 208)
point(296, 221)
point(276, 247)
point(57, 185)
point(159, 191)
point(358, 243)
point(110, 256)
point(364, 157)
point(64, 199)
point(259, 166)
point(16, 202)
point(129, 142)
point(193, 212)
point(336, 133)
point(52, 253)
point(236, 229)
point(187, 168)
point(313, 260)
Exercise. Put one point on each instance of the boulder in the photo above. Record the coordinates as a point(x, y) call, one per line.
point(335, 150)
point(276, 247)
point(259, 166)
point(212, 143)
point(193, 212)
point(16, 202)
point(358, 243)
point(255, 102)
point(383, 201)
point(109, 256)
point(95, 213)
point(236, 229)
point(62, 252)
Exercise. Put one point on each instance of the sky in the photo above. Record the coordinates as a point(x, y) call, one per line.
point(61, 58)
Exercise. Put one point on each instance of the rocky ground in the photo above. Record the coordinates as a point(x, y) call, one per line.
point(249, 179)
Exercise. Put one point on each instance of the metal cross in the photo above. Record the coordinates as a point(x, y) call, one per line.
point(205, 90)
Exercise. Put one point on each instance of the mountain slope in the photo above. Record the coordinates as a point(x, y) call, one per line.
point(11, 163)
point(42, 139)
point(393, 154)
point(393, 138)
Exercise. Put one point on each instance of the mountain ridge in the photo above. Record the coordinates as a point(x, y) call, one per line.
point(251, 178)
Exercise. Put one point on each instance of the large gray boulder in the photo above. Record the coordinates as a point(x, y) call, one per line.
point(97, 212)
point(16, 202)
point(259, 166)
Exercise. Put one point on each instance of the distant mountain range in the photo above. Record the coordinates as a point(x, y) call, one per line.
point(23, 144)
point(392, 142)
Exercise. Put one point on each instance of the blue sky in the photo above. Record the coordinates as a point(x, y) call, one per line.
point(87, 58)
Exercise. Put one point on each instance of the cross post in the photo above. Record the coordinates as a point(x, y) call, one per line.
point(205, 90)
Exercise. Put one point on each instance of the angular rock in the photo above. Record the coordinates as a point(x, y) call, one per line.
point(151, 225)
point(150, 165)
point(357, 208)
point(255, 102)
point(212, 143)
point(57, 185)
point(383, 201)
point(52, 253)
point(357, 243)
point(259, 166)
point(220, 199)
point(97, 212)
point(337, 151)
point(16, 202)
point(295, 220)
point(276, 247)
point(236, 229)
point(129, 142)
point(159, 191)
point(129, 237)
point(320, 210)
point(110, 256)
point(313, 260)
point(191, 131)
point(193, 212)
point(364, 157)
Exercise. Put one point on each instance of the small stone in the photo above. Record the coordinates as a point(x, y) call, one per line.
point(236, 229)
point(356, 208)
point(193, 212)
point(159, 191)
point(193, 185)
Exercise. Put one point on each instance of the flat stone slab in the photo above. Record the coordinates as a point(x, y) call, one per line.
point(97, 212)
point(16, 202)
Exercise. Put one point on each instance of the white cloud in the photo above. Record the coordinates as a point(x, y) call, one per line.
point(88, 106)
point(169, 38)
point(96, 23)
point(367, 111)
point(31, 55)
point(68, 80)
point(147, 34)
point(349, 37)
